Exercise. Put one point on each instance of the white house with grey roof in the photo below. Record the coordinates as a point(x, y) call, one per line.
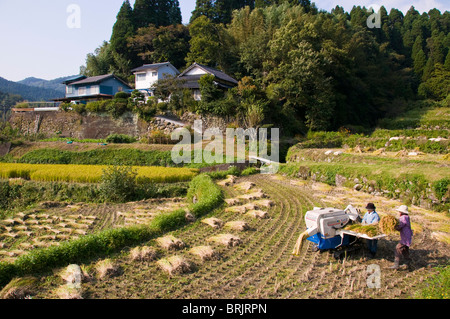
point(147, 75)
point(190, 77)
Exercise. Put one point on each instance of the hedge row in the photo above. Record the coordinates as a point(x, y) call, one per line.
point(209, 197)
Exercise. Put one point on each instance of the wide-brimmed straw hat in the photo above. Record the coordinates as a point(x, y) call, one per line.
point(403, 209)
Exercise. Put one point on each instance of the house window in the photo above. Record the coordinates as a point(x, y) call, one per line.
point(95, 89)
point(120, 89)
point(82, 90)
point(141, 77)
point(69, 89)
point(154, 74)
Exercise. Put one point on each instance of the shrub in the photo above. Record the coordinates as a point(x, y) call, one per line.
point(442, 187)
point(118, 184)
point(79, 108)
point(120, 139)
point(121, 95)
point(117, 107)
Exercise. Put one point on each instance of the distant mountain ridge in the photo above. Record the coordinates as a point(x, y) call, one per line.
point(34, 89)
point(55, 84)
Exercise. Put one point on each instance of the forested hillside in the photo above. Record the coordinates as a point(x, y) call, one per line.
point(8, 100)
point(29, 93)
point(320, 70)
point(55, 84)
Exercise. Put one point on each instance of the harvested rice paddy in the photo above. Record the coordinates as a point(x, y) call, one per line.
point(237, 254)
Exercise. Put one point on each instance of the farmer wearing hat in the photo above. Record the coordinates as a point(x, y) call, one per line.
point(371, 218)
point(404, 227)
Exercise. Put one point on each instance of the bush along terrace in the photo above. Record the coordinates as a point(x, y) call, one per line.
point(208, 197)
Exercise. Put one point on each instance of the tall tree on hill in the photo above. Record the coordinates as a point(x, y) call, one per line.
point(156, 12)
point(154, 45)
point(122, 30)
point(204, 43)
point(145, 13)
point(219, 11)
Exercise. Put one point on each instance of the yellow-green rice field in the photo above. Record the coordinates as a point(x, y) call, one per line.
point(89, 173)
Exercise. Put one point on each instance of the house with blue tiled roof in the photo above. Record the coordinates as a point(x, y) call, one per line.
point(82, 89)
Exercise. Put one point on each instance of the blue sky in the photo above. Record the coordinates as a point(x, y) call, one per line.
point(36, 40)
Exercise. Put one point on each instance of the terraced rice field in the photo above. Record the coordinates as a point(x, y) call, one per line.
point(48, 226)
point(258, 263)
point(89, 173)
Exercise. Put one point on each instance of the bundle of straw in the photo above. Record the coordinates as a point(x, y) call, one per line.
point(226, 240)
point(233, 201)
point(213, 222)
point(174, 265)
point(238, 225)
point(106, 268)
point(236, 209)
point(388, 224)
point(229, 181)
point(368, 230)
point(255, 195)
point(245, 186)
point(264, 203)
point(258, 214)
point(143, 254)
point(204, 252)
point(170, 243)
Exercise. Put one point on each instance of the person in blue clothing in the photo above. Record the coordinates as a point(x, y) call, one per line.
point(371, 218)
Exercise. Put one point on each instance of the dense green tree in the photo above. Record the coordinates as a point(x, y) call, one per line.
point(156, 12)
point(204, 43)
point(123, 29)
point(163, 44)
point(447, 61)
point(219, 11)
point(420, 60)
point(437, 86)
point(99, 62)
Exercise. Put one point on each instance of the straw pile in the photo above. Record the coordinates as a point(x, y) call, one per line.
point(229, 181)
point(233, 201)
point(238, 225)
point(236, 209)
point(388, 224)
point(143, 254)
point(204, 252)
point(258, 214)
point(245, 186)
point(368, 230)
point(18, 288)
point(213, 222)
point(174, 265)
point(106, 268)
point(170, 243)
point(226, 240)
point(264, 203)
point(253, 196)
